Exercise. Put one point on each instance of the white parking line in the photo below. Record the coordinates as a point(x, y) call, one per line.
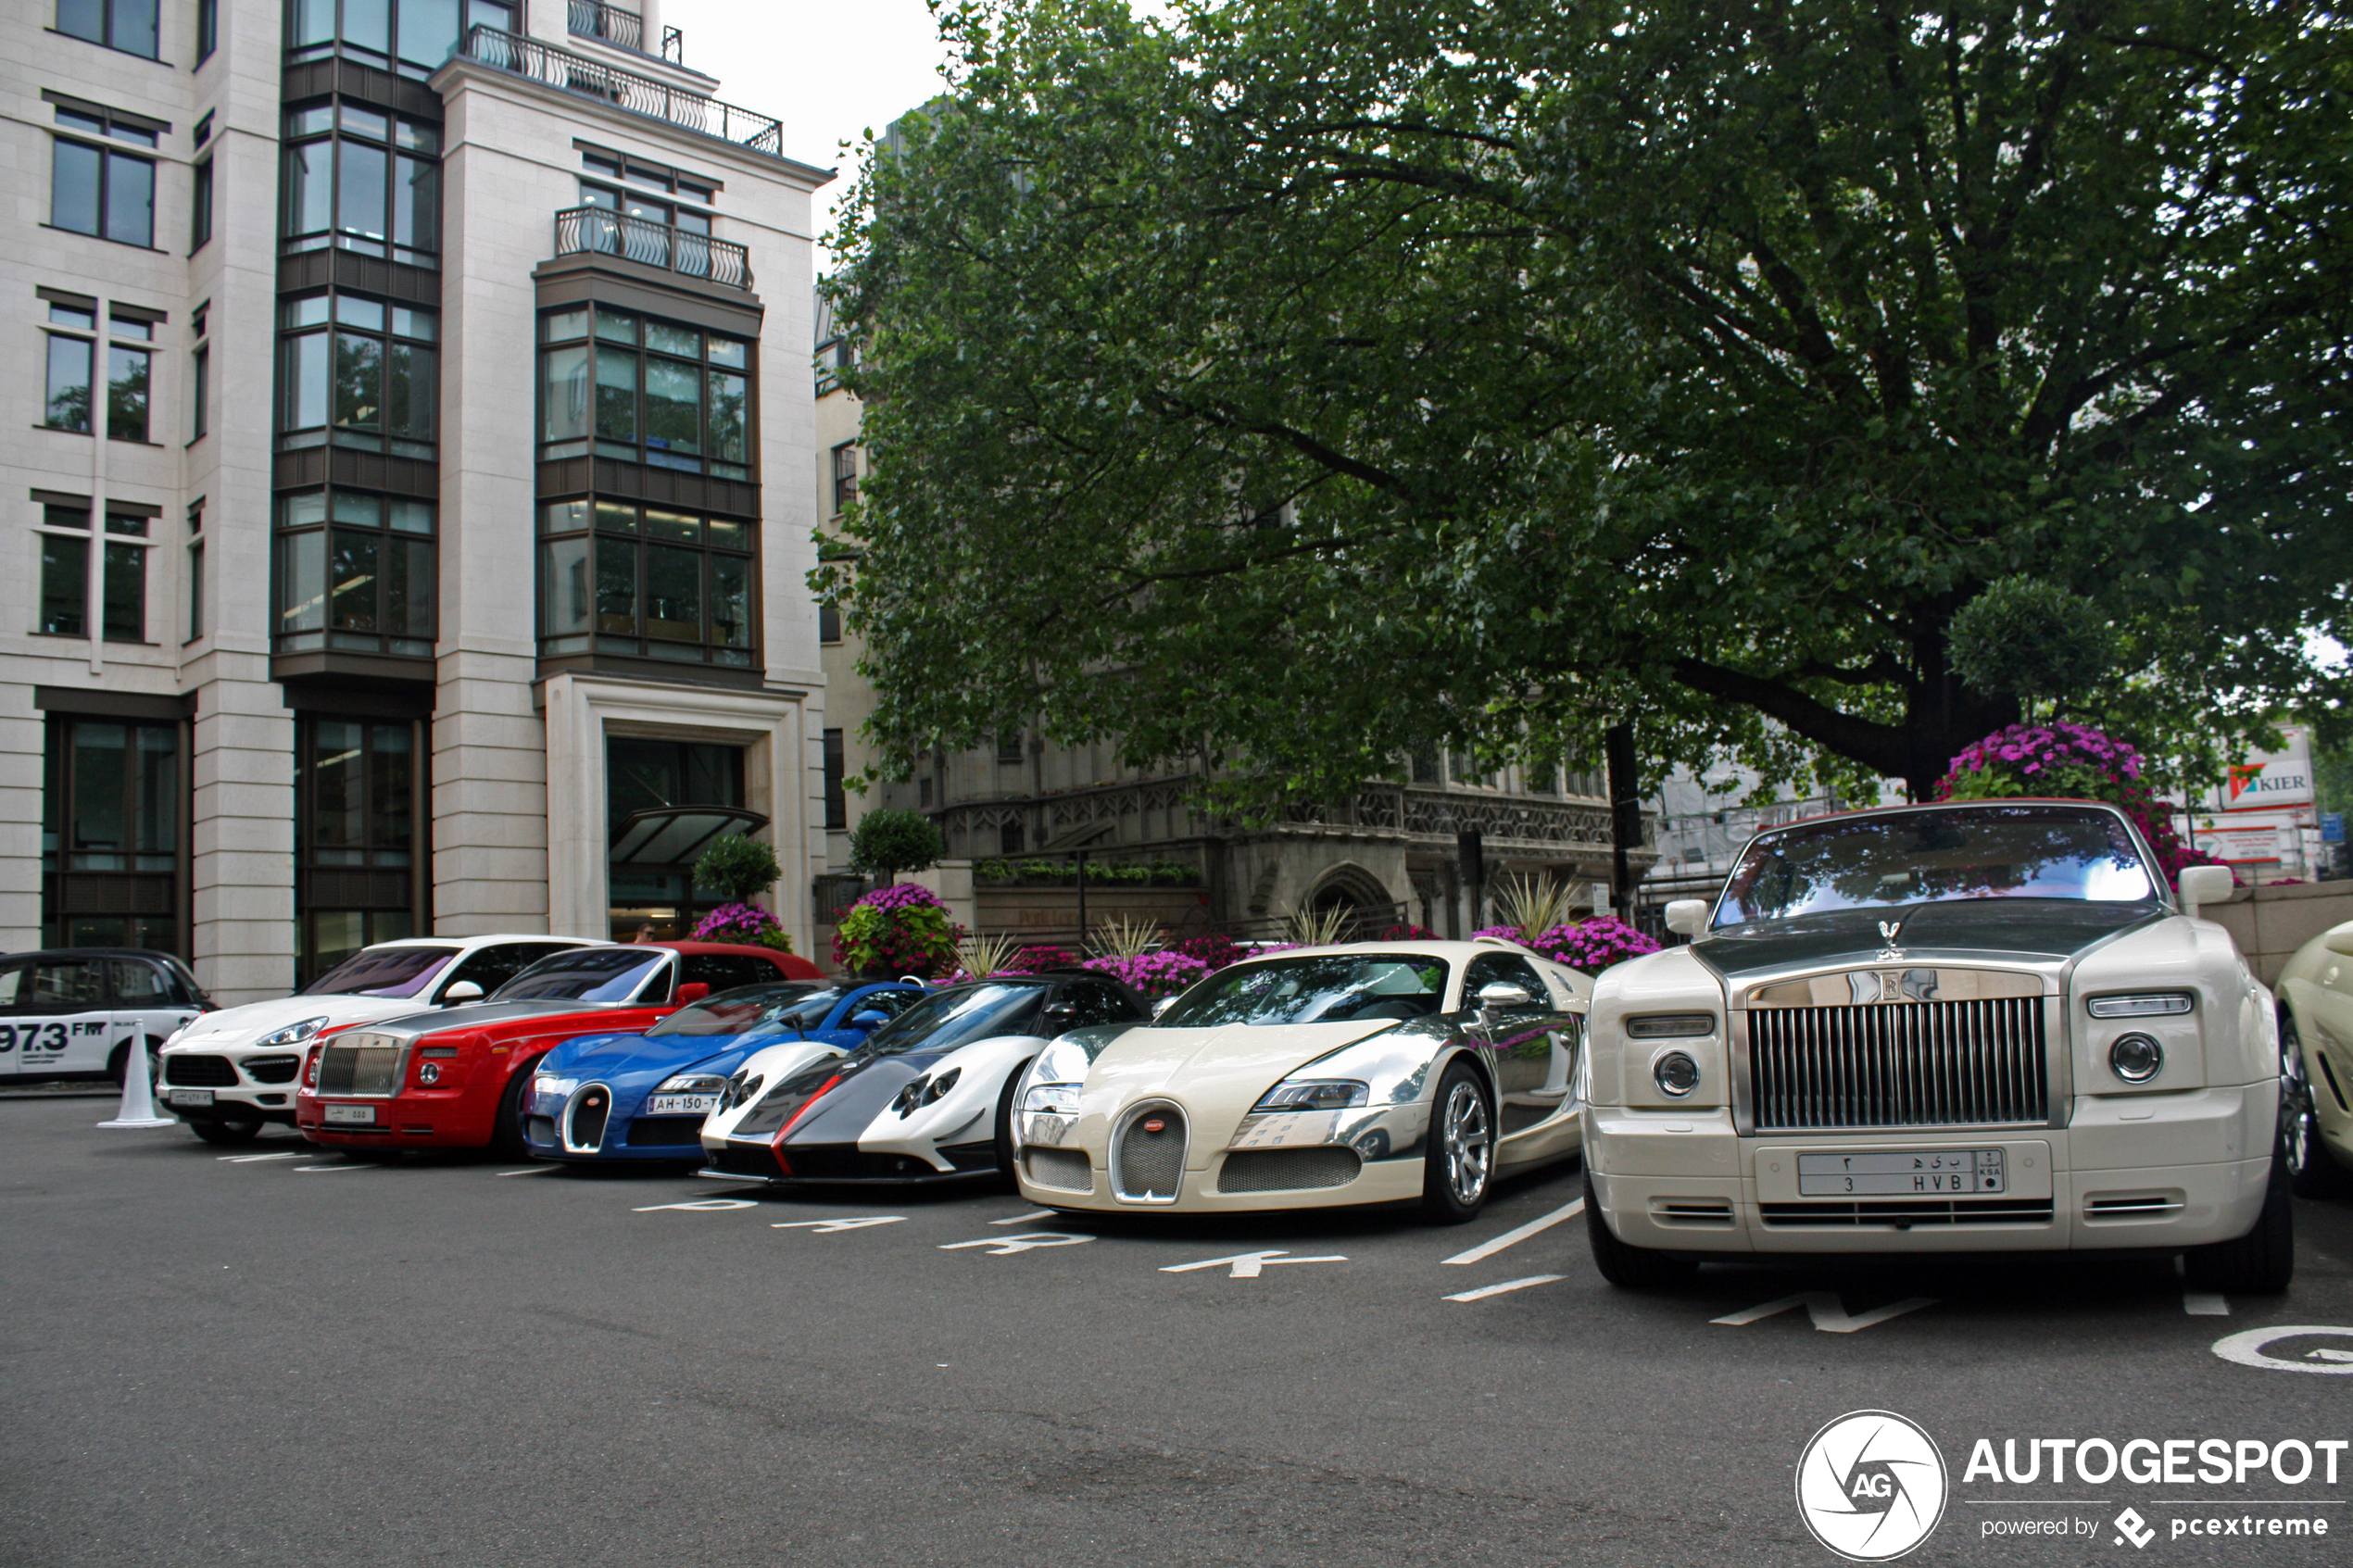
point(1248, 1264)
point(827, 1227)
point(249, 1159)
point(1513, 1238)
point(1025, 1219)
point(535, 1170)
point(2203, 1304)
point(1483, 1292)
point(699, 1205)
point(338, 1168)
point(1827, 1310)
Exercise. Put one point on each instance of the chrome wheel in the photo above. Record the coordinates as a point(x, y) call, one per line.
point(1469, 1142)
point(2313, 1171)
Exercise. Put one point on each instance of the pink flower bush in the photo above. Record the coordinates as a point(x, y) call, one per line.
point(902, 929)
point(2070, 762)
point(1155, 975)
point(1593, 945)
point(746, 924)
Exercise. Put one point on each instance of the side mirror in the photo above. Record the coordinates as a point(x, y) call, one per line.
point(869, 1019)
point(2340, 940)
point(1503, 993)
point(692, 992)
point(464, 991)
point(2203, 884)
point(1687, 917)
point(1163, 1005)
point(1059, 1014)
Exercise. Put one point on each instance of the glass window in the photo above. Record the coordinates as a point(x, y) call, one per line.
point(111, 802)
point(200, 393)
point(1330, 989)
point(356, 571)
point(836, 792)
point(657, 399)
point(348, 186)
point(372, 391)
point(64, 585)
point(127, 374)
point(126, 594)
point(845, 475)
point(356, 790)
point(128, 25)
point(200, 207)
point(647, 581)
point(66, 403)
point(208, 29)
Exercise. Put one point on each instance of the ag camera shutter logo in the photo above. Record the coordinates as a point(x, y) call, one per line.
point(1871, 1485)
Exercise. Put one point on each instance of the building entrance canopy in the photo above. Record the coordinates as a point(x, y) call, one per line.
point(665, 837)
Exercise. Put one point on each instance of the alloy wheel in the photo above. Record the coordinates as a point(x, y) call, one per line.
point(1467, 1141)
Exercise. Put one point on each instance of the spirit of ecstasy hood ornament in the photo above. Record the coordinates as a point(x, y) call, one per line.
point(1889, 930)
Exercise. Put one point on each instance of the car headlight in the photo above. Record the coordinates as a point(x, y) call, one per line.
point(1052, 1099)
point(1313, 1093)
point(740, 1089)
point(2160, 1004)
point(693, 1084)
point(2137, 1058)
point(1669, 1025)
point(1675, 1073)
point(293, 1034)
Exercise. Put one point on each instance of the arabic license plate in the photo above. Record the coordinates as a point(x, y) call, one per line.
point(352, 1115)
point(682, 1105)
point(190, 1096)
point(1923, 1172)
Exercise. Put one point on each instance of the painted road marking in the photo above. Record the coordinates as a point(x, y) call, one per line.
point(338, 1168)
point(1482, 1293)
point(699, 1205)
point(1025, 1219)
point(1248, 1264)
point(249, 1159)
point(535, 1170)
point(2252, 1347)
point(2203, 1304)
point(1006, 1246)
point(827, 1227)
point(1513, 1238)
point(1828, 1311)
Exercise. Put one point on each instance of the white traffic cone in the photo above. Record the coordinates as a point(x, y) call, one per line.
point(138, 1108)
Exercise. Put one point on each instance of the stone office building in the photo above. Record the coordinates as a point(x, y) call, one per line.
point(410, 474)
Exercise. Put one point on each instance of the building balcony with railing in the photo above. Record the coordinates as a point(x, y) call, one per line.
point(623, 29)
point(600, 230)
point(629, 91)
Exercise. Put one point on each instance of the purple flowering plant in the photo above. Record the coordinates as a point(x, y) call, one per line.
point(1157, 974)
point(746, 923)
point(2071, 762)
point(901, 929)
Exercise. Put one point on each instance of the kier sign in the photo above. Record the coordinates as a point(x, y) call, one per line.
point(2267, 779)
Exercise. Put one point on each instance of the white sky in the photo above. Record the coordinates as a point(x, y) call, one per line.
point(830, 71)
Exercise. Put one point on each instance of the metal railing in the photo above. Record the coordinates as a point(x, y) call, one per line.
point(624, 89)
point(597, 229)
point(592, 19)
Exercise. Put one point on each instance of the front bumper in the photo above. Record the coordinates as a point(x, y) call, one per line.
point(2145, 1172)
point(1376, 1181)
point(458, 1117)
point(835, 1165)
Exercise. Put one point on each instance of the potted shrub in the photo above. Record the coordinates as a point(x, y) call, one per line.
point(900, 929)
point(2073, 762)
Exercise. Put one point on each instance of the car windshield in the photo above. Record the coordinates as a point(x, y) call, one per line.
point(957, 1016)
point(382, 972)
point(1992, 851)
point(1330, 988)
point(754, 1010)
point(584, 974)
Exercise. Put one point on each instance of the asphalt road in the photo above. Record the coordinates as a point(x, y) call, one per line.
point(290, 1358)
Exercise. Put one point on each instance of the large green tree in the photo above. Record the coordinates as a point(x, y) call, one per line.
point(1313, 382)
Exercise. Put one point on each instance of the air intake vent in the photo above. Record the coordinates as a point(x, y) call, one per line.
point(271, 1069)
point(2132, 1205)
point(202, 1072)
point(1148, 1158)
point(357, 1069)
point(1716, 1212)
point(1065, 1168)
point(1288, 1170)
point(1904, 1213)
point(584, 1120)
point(1906, 1064)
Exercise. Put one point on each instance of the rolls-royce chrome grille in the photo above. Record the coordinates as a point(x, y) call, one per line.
point(365, 1064)
point(1906, 1064)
